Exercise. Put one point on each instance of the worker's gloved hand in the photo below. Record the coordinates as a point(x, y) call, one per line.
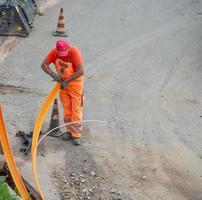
point(56, 77)
point(64, 84)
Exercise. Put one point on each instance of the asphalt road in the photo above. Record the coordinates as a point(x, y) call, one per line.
point(142, 76)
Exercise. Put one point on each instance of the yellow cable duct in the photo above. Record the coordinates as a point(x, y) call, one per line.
point(39, 121)
point(10, 159)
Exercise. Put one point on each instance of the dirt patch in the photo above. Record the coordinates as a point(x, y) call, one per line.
point(81, 177)
point(6, 48)
point(11, 89)
point(184, 175)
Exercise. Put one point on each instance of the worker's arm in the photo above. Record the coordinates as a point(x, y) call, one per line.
point(45, 67)
point(79, 72)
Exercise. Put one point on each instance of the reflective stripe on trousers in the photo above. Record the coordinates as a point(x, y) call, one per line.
point(68, 126)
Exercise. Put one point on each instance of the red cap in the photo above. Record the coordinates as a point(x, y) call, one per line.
point(62, 47)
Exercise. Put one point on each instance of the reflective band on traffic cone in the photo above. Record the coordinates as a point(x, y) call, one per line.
point(60, 30)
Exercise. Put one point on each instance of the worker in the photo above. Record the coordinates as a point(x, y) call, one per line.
point(68, 63)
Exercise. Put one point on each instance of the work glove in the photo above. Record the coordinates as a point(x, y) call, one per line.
point(64, 84)
point(56, 77)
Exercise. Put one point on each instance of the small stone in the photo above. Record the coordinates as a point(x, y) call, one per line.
point(81, 176)
point(144, 177)
point(92, 173)
point(113, 191)
point(85, 191)
point(72, 174)
point(83, 181)
point(132, 186)
point(71, 184)
point(154, 170)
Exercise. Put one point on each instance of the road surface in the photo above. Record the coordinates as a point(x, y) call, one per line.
point(143, 78)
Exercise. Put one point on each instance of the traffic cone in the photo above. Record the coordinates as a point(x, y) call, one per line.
point(54, 122)
point(60, 30)
point(1, 150)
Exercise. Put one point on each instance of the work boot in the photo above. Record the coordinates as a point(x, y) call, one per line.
point(76, 141)
point(66, 136)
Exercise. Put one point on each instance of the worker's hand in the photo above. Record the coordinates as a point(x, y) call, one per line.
point(64, 84)
point(56, 77)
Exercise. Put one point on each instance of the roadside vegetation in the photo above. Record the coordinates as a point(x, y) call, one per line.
point(4, 192)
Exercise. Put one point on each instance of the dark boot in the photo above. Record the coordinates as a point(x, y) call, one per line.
point(66, 136)
point(76, 141)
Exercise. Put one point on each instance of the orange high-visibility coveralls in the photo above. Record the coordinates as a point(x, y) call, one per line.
point(72, 96)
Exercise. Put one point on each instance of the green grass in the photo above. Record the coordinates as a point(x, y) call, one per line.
point(4, 193)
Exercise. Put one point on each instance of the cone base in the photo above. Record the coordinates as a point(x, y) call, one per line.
point(60, 34)
point(56, 133)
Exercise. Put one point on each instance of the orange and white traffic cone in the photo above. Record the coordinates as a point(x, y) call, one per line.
point(60, 30)
point(54, 122)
